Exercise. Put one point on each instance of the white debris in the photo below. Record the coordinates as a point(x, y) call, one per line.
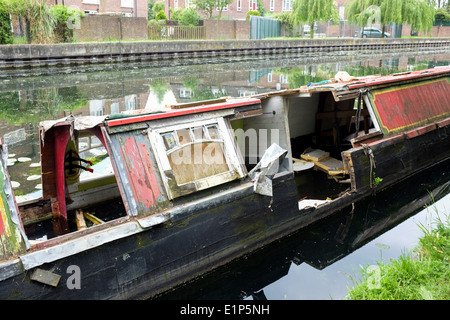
point(15, 184)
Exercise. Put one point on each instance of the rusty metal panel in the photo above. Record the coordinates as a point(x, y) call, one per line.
point(403, 107)
point(137, 174)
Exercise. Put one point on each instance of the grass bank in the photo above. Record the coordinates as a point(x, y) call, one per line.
point(422, 274)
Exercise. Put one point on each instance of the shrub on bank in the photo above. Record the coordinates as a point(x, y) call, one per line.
point(5, 25)
point(423, 274)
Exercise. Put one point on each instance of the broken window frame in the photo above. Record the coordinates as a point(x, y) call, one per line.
point(235, 171)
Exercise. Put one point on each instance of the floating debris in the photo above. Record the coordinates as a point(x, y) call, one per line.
point(11, 161)
point(15, 184)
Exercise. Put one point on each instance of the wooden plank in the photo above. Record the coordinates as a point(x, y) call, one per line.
point(46, 277)
point(92, 218)
point(79, 217)
point(331, 166)
point(35, 210)
point(196, 103)
point(315, 155)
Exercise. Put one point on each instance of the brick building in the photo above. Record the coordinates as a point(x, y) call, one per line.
point(129, 8)
point(238, 9)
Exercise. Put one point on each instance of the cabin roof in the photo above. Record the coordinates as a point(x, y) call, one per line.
point(350, 89)
point(185, 109)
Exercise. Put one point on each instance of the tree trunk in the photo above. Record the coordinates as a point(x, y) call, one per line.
point(28, 30)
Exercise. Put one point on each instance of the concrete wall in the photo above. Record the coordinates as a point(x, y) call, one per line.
point(227, 29)
point(104, 28)
point(19, 55)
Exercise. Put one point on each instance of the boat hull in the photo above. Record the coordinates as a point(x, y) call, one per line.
point(156, 259)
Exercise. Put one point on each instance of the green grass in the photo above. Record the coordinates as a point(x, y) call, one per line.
point(422, 274)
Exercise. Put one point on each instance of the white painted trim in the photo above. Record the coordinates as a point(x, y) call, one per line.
point(72, 247)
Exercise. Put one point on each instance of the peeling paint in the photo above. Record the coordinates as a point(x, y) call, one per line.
point(140, 172)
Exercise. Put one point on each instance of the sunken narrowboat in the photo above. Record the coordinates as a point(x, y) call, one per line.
point(192, 187)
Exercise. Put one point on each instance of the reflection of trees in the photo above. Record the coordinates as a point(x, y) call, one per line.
point(199, 91)
point(33, 106)
point(159, 87)
point(302, 76)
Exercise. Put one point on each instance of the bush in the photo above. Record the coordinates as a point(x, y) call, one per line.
point(158, 6)
point(66, 20)
point(252, 13)
point(161, 15)
point(5, 26)
point(176, 14)
point(189, 17)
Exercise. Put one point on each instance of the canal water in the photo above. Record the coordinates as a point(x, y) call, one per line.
point(321, 262)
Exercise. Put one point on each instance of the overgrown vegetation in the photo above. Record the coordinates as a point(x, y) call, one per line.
point(252, 13)
point(5, 25)
point(67, 19)
point(40, 22)
point(311, 11)
point(423, 274)
point(419, 14)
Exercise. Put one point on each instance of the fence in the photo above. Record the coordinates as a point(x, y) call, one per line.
point(176, 33)
point(261, 27)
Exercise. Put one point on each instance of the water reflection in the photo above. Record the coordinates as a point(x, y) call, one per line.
point(110, 89)
point(317, 263)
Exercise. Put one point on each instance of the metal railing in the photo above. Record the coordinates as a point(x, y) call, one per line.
point(176, 33)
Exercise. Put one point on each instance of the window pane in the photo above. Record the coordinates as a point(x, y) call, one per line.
point(213, 132)
point(197, 161)
point(184, 136)
point(198, 133)
point(169, 141)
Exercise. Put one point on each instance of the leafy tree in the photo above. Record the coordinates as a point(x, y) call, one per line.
point(175, 14)
point(66, 19)
point(221, 4)
point(150, 12)
point(189, 17)
point(5, 25)
point(310, 11)
point(161, 15)
point(287, 19)
point(207, 6)
point(252, 13)
point(417, 13)
point(158, 6)
point(442, 15)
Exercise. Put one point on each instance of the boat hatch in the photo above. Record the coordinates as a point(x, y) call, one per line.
point(79, 188)
point(161, 157)
point(195, 156)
